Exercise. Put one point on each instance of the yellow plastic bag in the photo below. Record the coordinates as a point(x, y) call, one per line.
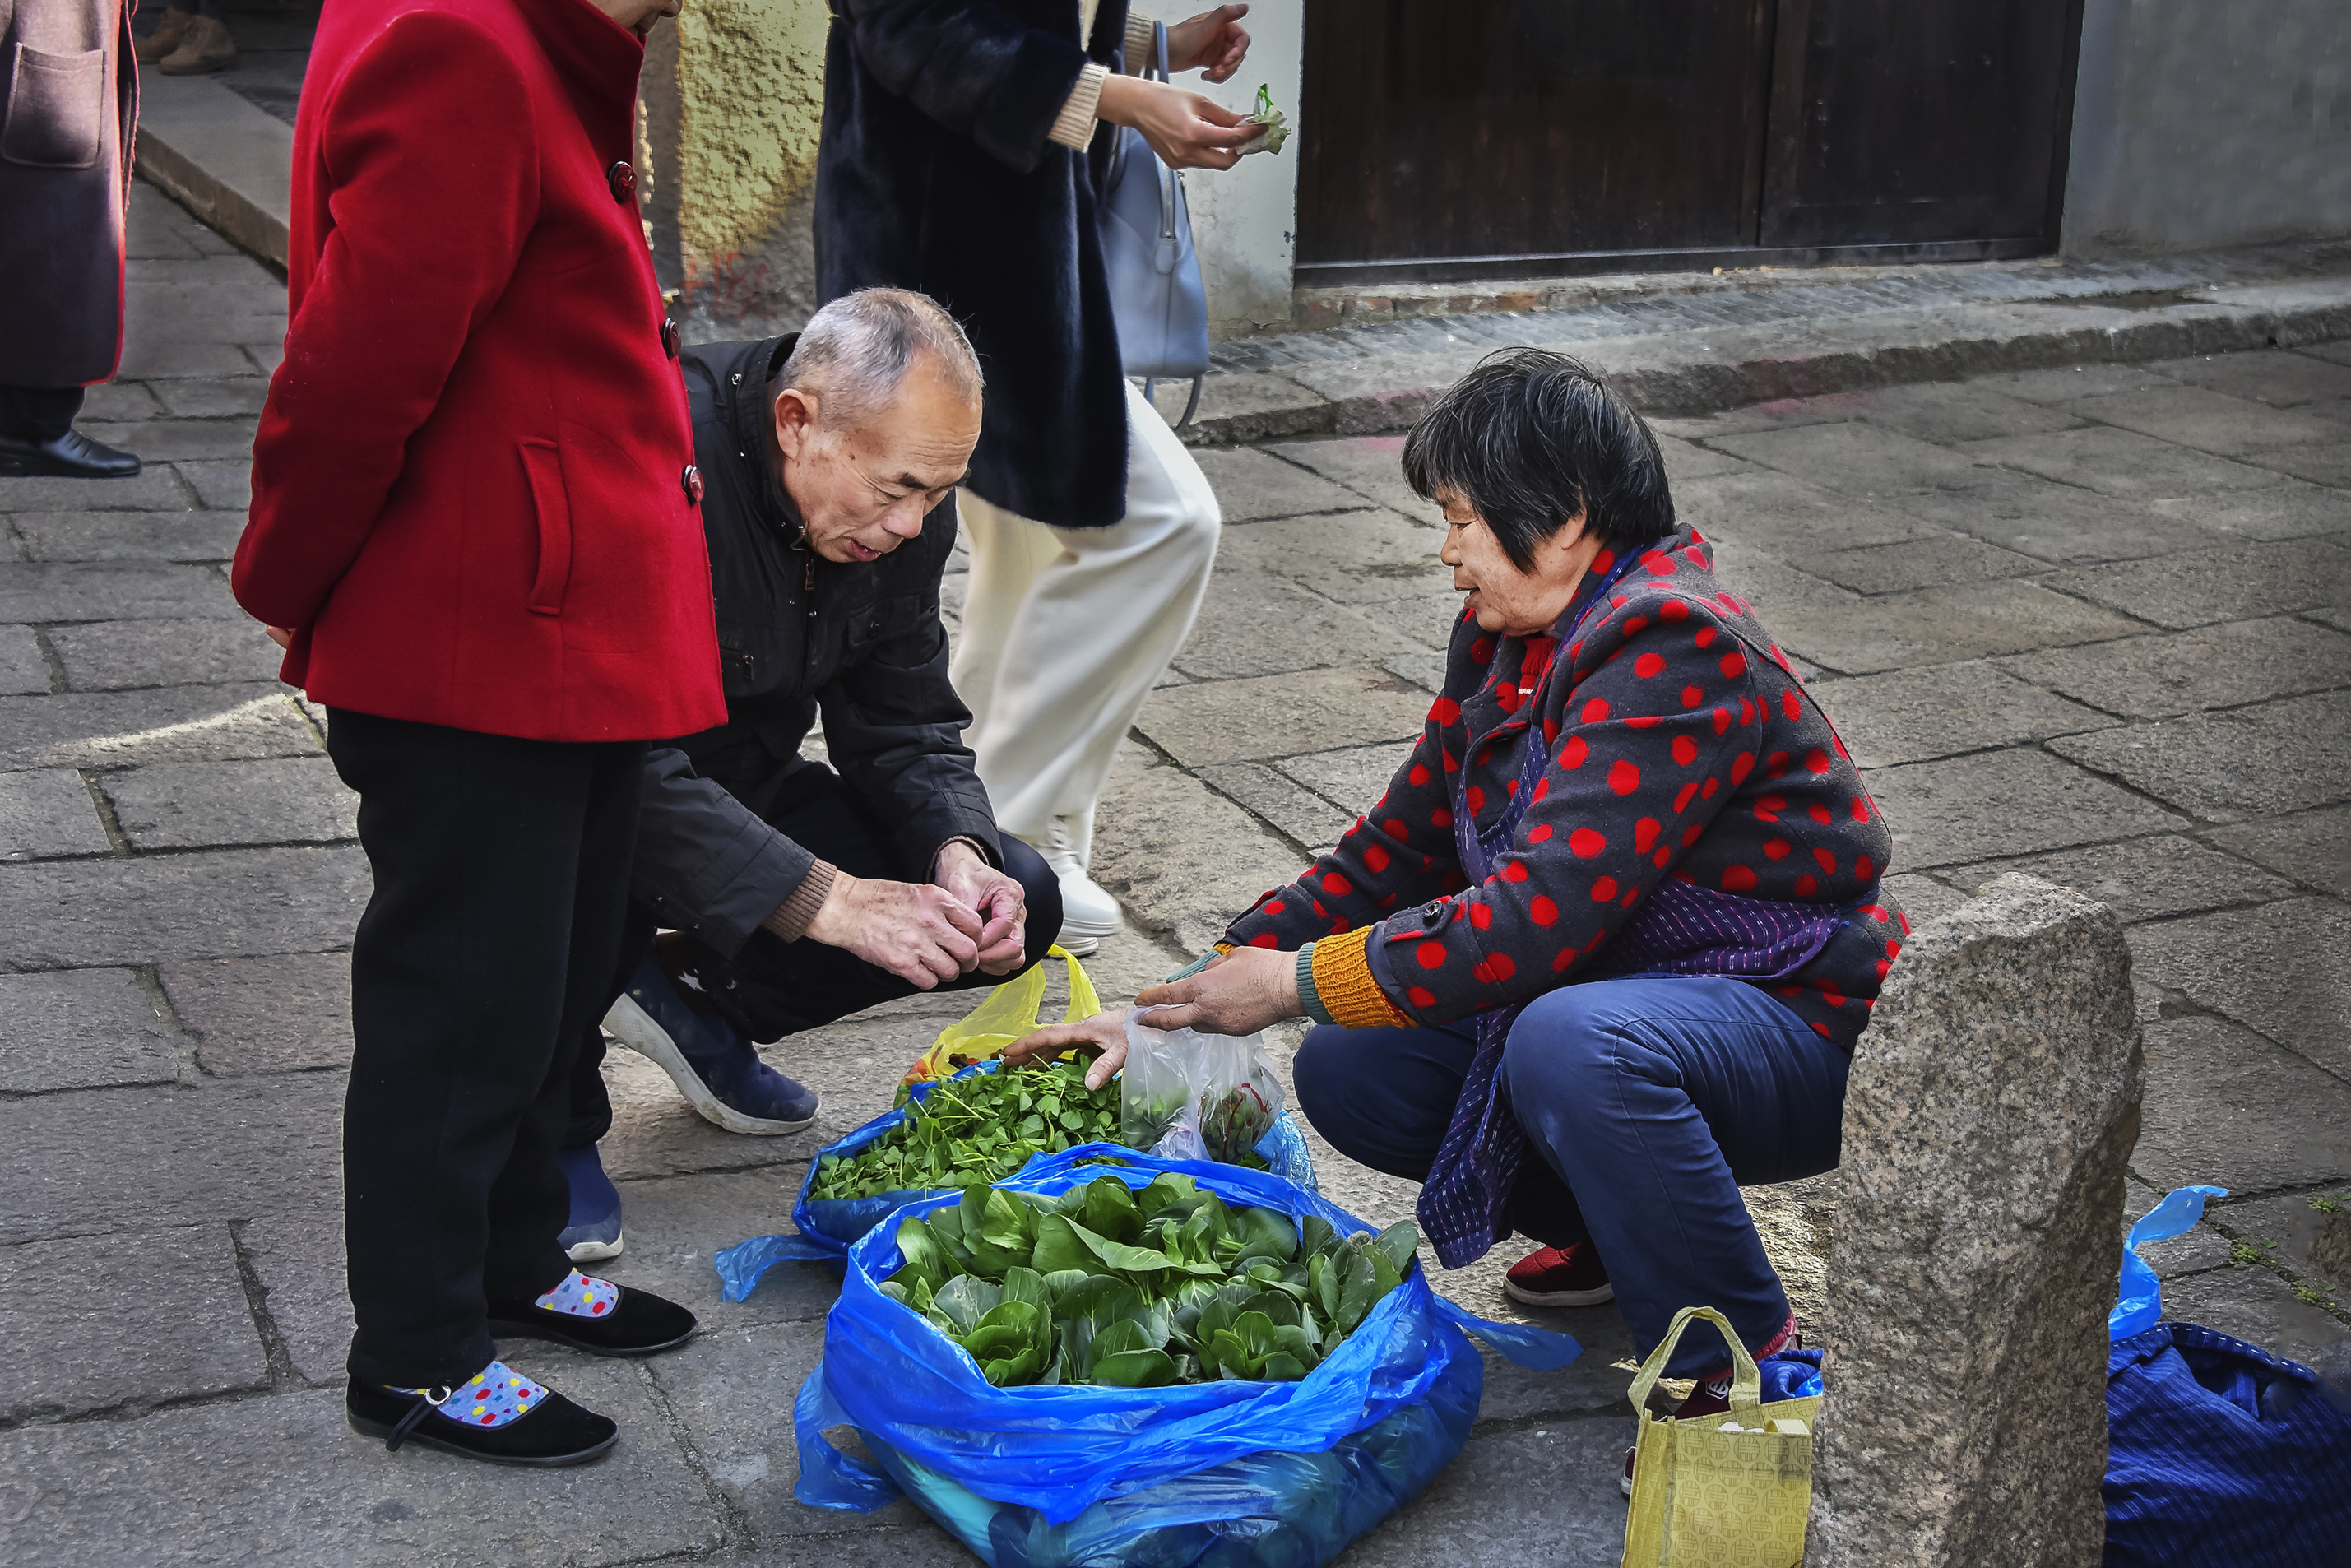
point(1705, 1498)
point(1009, 1013)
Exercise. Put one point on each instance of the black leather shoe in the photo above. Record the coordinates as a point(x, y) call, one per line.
point(553, 1432)
point(639, 1323)
point(72, 456)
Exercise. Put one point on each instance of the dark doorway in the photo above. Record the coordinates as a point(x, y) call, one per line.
point(1496, 138)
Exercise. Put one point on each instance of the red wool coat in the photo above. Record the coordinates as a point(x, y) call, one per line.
point(472, 490)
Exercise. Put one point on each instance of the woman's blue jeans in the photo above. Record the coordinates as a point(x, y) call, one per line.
point(1647, 1103)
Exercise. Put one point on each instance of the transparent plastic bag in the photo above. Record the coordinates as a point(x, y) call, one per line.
point(1191, 1096)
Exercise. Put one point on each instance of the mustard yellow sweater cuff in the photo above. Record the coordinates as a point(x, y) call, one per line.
point(1343, 980)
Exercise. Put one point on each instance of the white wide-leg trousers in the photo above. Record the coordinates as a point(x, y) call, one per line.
point(1065, 631)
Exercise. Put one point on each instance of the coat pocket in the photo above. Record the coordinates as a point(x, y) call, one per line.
point(57, 109)
point(548, 499)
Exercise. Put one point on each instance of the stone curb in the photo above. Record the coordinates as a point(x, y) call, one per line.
point(1669, 376)
point(225, 160)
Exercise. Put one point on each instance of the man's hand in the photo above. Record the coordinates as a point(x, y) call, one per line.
point(1213, 43)
point(281, 635)
point(1240, 993)
point(999, 900)
point(922, 933)
point(1101, 1037)
point(1187, 131)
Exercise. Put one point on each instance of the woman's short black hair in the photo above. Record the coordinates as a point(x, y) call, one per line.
point(1531, 438)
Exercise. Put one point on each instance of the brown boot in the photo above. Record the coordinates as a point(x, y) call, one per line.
point(166, 37)
point(205, 46)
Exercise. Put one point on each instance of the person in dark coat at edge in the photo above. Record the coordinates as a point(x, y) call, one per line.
point(1600, 953)
point(960, 156)
point(72, 103)
point(797, 895)
point(473, 529)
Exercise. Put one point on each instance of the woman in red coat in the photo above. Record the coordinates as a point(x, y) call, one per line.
point(474, 525)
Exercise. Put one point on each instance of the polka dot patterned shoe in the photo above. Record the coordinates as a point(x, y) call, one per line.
point(497, 1415)
point(596, 1316)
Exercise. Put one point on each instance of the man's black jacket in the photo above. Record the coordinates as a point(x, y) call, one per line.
point(797, 631)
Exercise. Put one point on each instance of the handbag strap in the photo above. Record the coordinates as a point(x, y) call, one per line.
point(1746, 1379)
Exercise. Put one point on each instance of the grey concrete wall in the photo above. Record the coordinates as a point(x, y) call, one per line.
point(2209, 123)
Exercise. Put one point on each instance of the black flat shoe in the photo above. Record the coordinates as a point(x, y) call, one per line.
point(554, 1432)
point(72, 456)
point(639, 1323)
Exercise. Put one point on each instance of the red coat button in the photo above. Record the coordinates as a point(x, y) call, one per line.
point(691, 483)
point(623, 181)
point(670, 338)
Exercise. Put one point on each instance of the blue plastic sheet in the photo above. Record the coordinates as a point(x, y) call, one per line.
point(1195, 1476)
point(2138, 1304)
point(827, 1227)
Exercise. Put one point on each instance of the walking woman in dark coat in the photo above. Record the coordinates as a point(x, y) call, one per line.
point(72, 102)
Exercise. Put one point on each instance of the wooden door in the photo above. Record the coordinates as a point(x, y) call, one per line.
point(1445, 139)
point(1918, 122)
point(1511, 128)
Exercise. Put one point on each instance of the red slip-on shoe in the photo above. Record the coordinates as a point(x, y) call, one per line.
point(1556, 1277)
point(1711, 1397)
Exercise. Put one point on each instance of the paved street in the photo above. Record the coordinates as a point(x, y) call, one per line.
point(2091, 624)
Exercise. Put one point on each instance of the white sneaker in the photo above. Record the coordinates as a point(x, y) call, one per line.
point(1088, 914)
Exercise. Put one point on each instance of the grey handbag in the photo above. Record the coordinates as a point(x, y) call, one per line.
point(1155, 292)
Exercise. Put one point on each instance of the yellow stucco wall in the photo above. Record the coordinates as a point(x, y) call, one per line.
point(750, 90)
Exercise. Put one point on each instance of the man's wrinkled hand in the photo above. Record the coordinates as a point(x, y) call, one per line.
point(1213, 43)
point(1101, 1037)
point(1001, 903)
point(1240, 993)
point(921, 932)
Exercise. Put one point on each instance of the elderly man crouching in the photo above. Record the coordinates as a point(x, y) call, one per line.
point(800, 894)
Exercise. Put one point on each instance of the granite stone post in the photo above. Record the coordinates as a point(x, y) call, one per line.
point(1993, 1104)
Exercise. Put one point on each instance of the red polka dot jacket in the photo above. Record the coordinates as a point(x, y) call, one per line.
point(1682, 747)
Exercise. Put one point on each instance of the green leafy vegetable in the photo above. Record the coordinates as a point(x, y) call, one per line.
point(1275, 134)
point(968, 1132)
point(1140, 1288)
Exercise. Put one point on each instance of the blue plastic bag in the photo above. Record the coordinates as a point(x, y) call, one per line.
point(2138, 1301)
point(828, 1226)
point(2221, 1455)
point(1193, 1476)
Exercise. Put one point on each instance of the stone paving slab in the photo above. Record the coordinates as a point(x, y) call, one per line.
point(171, 724)
point(2064, 526)
point(2313, 847)
point(2208, 421)
point(281, 1480)
point(47, 812)
point(128, 536)
point(2242, 762)
point(1255, 624)
point(110, 590)
point(82, 1028)
point(2225, 665)
point(2004, 803)
point(23, 667)
point(2120, 463)
point(1250, 483)
point(103, 1346)
point(92, 1162)
point(1920, 563)
point(221, 904)
point(1369, 466)
point(1240, 721)
point(1942, 710)
point(2141, 879)
point(2239, 583)
point(208, 805)
point(2275, 376)
point(2254, 1304)
point(2226, 1107)
point(1352, 557)
point(2283, 969)
point(109, 655)
point(1937, 625)
point(151, 489)
point(285, 1012)
point(1184, 860)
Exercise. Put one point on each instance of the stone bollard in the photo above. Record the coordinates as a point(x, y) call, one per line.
point(1993, 1104)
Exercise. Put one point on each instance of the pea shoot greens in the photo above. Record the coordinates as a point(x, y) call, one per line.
point(968, 1132)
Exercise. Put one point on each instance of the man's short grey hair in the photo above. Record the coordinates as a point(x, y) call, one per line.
point(854, 353)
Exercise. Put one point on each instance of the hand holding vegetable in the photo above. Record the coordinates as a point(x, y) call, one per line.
point(1101, 1037)
point(1240, 993)
point(1186, 129)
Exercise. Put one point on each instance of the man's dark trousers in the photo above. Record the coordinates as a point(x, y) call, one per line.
point(771, 987)
point(501, 886)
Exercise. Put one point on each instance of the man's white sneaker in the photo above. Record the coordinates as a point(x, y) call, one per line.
point(1088, 914)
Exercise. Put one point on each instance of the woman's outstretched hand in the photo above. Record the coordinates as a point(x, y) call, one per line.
point(1240, 993)
point(1101, 1037)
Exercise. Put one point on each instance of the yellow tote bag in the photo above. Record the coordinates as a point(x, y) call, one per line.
point(1009, 1013)
point(1705, 1498)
